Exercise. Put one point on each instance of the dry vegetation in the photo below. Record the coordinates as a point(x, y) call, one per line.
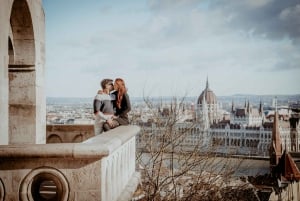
point(172, 171)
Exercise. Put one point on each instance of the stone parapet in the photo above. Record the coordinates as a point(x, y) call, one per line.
point(100, 168)
point(64, 133)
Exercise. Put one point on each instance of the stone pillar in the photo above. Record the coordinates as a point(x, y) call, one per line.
point(22, 87)
point(40, 98)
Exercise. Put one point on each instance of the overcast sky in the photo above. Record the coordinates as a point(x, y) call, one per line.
point(169, 47)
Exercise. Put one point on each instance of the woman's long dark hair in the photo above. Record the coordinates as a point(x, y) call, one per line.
point(121, 88)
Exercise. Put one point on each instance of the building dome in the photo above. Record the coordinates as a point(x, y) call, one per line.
point(209, 95)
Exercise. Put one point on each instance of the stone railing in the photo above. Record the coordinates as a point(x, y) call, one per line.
point(100, 168)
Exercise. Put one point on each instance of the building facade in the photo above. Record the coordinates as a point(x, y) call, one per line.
point(207, 111)
point(246, 132)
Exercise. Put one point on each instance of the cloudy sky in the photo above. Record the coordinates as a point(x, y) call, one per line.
point(170, 47)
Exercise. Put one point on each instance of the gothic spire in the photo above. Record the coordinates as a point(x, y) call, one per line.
point(276, 141)
point(260, 107)
point(207, 85)
point(248, 107)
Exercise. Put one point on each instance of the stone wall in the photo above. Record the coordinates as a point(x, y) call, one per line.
point(60, 133)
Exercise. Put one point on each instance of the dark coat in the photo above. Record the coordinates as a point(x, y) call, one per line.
point(122, 112)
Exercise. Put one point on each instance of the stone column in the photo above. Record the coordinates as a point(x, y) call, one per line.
point(22, 59)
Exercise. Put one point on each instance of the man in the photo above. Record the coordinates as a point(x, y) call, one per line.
point(103, 107)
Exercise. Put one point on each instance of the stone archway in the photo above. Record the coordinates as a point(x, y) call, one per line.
point(54, 138)
point(21, 74)
point(77, 138)
point(21, 37)
point(26, 74)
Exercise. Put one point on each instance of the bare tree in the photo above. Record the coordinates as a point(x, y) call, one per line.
point(173, 164)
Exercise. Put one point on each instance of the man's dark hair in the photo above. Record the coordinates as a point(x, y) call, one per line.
point(104, 82)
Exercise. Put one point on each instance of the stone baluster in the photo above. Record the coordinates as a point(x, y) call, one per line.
point(117, 169)
point(100, 168)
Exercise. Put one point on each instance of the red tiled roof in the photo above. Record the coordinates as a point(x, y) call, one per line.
point(291, 170)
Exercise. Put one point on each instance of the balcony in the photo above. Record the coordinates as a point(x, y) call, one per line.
point(98, 168)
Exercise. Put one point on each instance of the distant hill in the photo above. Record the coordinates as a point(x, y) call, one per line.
point(67, 100)
point(267, 95)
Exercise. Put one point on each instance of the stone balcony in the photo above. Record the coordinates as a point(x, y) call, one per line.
point(98, 168)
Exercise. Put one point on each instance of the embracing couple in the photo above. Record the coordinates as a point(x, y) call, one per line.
point(111, 105)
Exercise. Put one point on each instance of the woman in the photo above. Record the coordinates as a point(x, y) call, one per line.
point(121, 105)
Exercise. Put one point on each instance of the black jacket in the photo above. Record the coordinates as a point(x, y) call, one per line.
point(122, 112)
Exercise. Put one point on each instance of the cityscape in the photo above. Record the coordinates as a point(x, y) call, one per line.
point(62, 110)
point(248, 119)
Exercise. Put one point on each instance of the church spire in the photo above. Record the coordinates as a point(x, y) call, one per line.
point(207, 85)
point(276, 145)
point(232, 107)
point(248, 107)
point(260, 107)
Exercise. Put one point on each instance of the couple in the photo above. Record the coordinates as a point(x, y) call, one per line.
point(111, 105)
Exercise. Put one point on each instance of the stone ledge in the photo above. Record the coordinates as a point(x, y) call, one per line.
point(95, 147)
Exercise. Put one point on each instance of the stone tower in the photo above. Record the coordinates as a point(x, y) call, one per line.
point(276, 146)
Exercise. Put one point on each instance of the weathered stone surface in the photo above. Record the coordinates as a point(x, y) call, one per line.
point(98, 169)
point(22, 75)
point(69, 133)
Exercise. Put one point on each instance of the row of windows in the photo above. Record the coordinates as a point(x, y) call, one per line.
point(235, 142)
point(236, 134)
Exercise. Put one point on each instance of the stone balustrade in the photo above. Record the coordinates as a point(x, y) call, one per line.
point(100, 168)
